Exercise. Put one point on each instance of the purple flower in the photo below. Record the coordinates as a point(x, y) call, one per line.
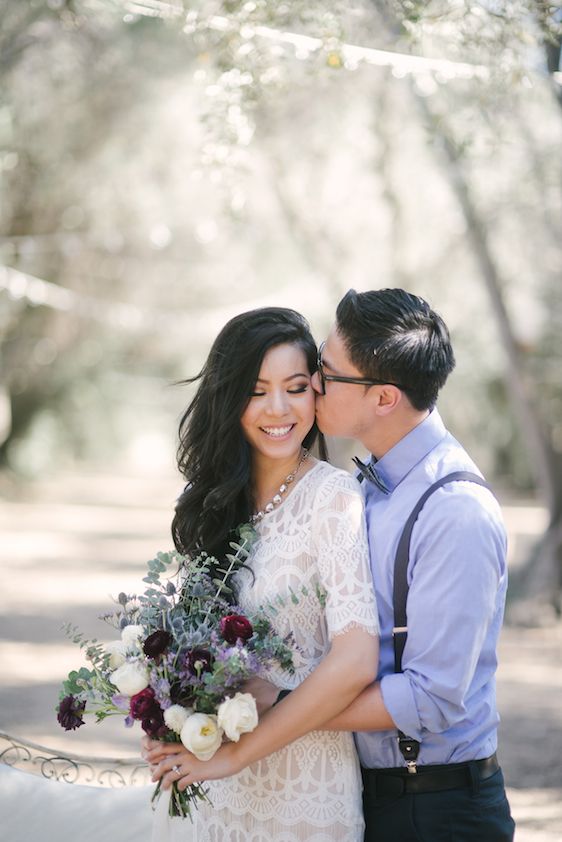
point(161, 687)
point(70, 713)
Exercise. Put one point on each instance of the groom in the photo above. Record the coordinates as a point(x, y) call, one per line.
point(379, 374)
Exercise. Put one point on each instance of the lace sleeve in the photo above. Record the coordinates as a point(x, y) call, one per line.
point(339, 538)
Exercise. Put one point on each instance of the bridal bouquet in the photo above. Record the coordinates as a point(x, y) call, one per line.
point(178, 666)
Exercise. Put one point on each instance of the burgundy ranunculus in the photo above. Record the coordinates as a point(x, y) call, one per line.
point(70, 712)
point(144, 704)
point(153, 725)
point(157, 643)
point(199, 660)
point(236, 627)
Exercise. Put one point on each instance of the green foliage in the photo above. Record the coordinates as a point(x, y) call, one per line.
point(322, 595)
point(95, 203)
point(77, 682)
point(93, 650)
point(196, 662)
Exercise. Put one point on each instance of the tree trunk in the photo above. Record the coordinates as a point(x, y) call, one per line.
point(543, 577)
point(550, 24)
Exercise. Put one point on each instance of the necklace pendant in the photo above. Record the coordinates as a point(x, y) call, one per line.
point(278, 498)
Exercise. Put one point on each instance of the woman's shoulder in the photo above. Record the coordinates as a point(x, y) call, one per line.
point(332, 480)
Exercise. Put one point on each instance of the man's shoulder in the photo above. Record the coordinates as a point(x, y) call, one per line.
point(461, 512)
point(448, 457)
point(460, 501)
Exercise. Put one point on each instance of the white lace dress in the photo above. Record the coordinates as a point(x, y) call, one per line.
point(310, 791)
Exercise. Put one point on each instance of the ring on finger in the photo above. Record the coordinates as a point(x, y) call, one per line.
point(176, 769)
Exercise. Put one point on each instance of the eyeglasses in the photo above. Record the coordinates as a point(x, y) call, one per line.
point(336, 378)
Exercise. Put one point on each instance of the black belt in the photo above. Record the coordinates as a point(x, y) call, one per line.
point(398, 781)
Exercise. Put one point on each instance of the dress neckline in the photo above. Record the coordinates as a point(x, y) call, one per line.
point(296, 486)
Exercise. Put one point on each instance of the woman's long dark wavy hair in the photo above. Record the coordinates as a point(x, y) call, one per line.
point(213, 455)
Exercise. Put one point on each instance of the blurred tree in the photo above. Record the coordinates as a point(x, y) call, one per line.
point(550, 19)
point(73, 76)
point(543, 575)
point(208, 156)
point(503, 41)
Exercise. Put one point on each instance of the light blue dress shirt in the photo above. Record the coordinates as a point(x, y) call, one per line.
point(445, 697)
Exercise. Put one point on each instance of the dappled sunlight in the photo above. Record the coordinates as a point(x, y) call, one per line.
point(70, 571)
point(36, 663)
point(56, 589)
point(165, 166)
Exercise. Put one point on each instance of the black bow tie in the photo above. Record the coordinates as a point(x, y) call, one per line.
point(370, 473)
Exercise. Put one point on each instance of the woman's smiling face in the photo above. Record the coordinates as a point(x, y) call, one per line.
point(281, 410)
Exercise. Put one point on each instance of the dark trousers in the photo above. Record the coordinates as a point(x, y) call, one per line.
point(477, 813)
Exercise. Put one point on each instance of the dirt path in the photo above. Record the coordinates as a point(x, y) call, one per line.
point(530, 703)
point(71, 542)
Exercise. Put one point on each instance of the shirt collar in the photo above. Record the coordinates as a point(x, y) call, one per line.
point(397, 462)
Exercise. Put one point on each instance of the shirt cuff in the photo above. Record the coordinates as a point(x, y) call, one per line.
point(399, 701)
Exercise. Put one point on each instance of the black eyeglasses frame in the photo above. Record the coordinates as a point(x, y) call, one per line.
point(337, 378)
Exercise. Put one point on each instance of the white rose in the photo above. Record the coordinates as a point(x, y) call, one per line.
point(201, 735)
point(238, 715)
point(130, 678)
point(175, 717)
point(116, 650)
point(130, 635)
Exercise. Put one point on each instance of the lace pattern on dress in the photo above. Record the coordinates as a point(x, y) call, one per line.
point(313, 544)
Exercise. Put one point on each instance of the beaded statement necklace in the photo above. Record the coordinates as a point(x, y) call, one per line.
point(283, 488)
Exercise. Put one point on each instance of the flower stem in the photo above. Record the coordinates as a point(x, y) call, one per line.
point(222, 585)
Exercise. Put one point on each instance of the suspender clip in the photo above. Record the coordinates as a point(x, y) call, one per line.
point(409, 749)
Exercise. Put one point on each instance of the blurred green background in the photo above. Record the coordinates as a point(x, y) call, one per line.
point(166, 165)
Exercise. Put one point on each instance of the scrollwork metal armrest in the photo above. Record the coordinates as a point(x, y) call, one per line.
point(72, 768)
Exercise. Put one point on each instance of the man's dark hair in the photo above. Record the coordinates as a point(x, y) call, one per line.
point(394, 336)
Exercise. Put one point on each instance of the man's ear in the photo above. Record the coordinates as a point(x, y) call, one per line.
point(388, 399)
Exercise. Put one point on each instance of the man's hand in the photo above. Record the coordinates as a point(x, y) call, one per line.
point(263, 692)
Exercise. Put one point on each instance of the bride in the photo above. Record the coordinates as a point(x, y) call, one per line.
point(244, 443)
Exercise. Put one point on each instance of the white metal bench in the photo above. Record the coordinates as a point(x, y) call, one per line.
point(110, 802)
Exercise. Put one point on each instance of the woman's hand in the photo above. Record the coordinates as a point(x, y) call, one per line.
point(153, 751)
point(183, 768)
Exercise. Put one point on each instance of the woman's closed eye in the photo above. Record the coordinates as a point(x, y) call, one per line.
point(294, 390)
